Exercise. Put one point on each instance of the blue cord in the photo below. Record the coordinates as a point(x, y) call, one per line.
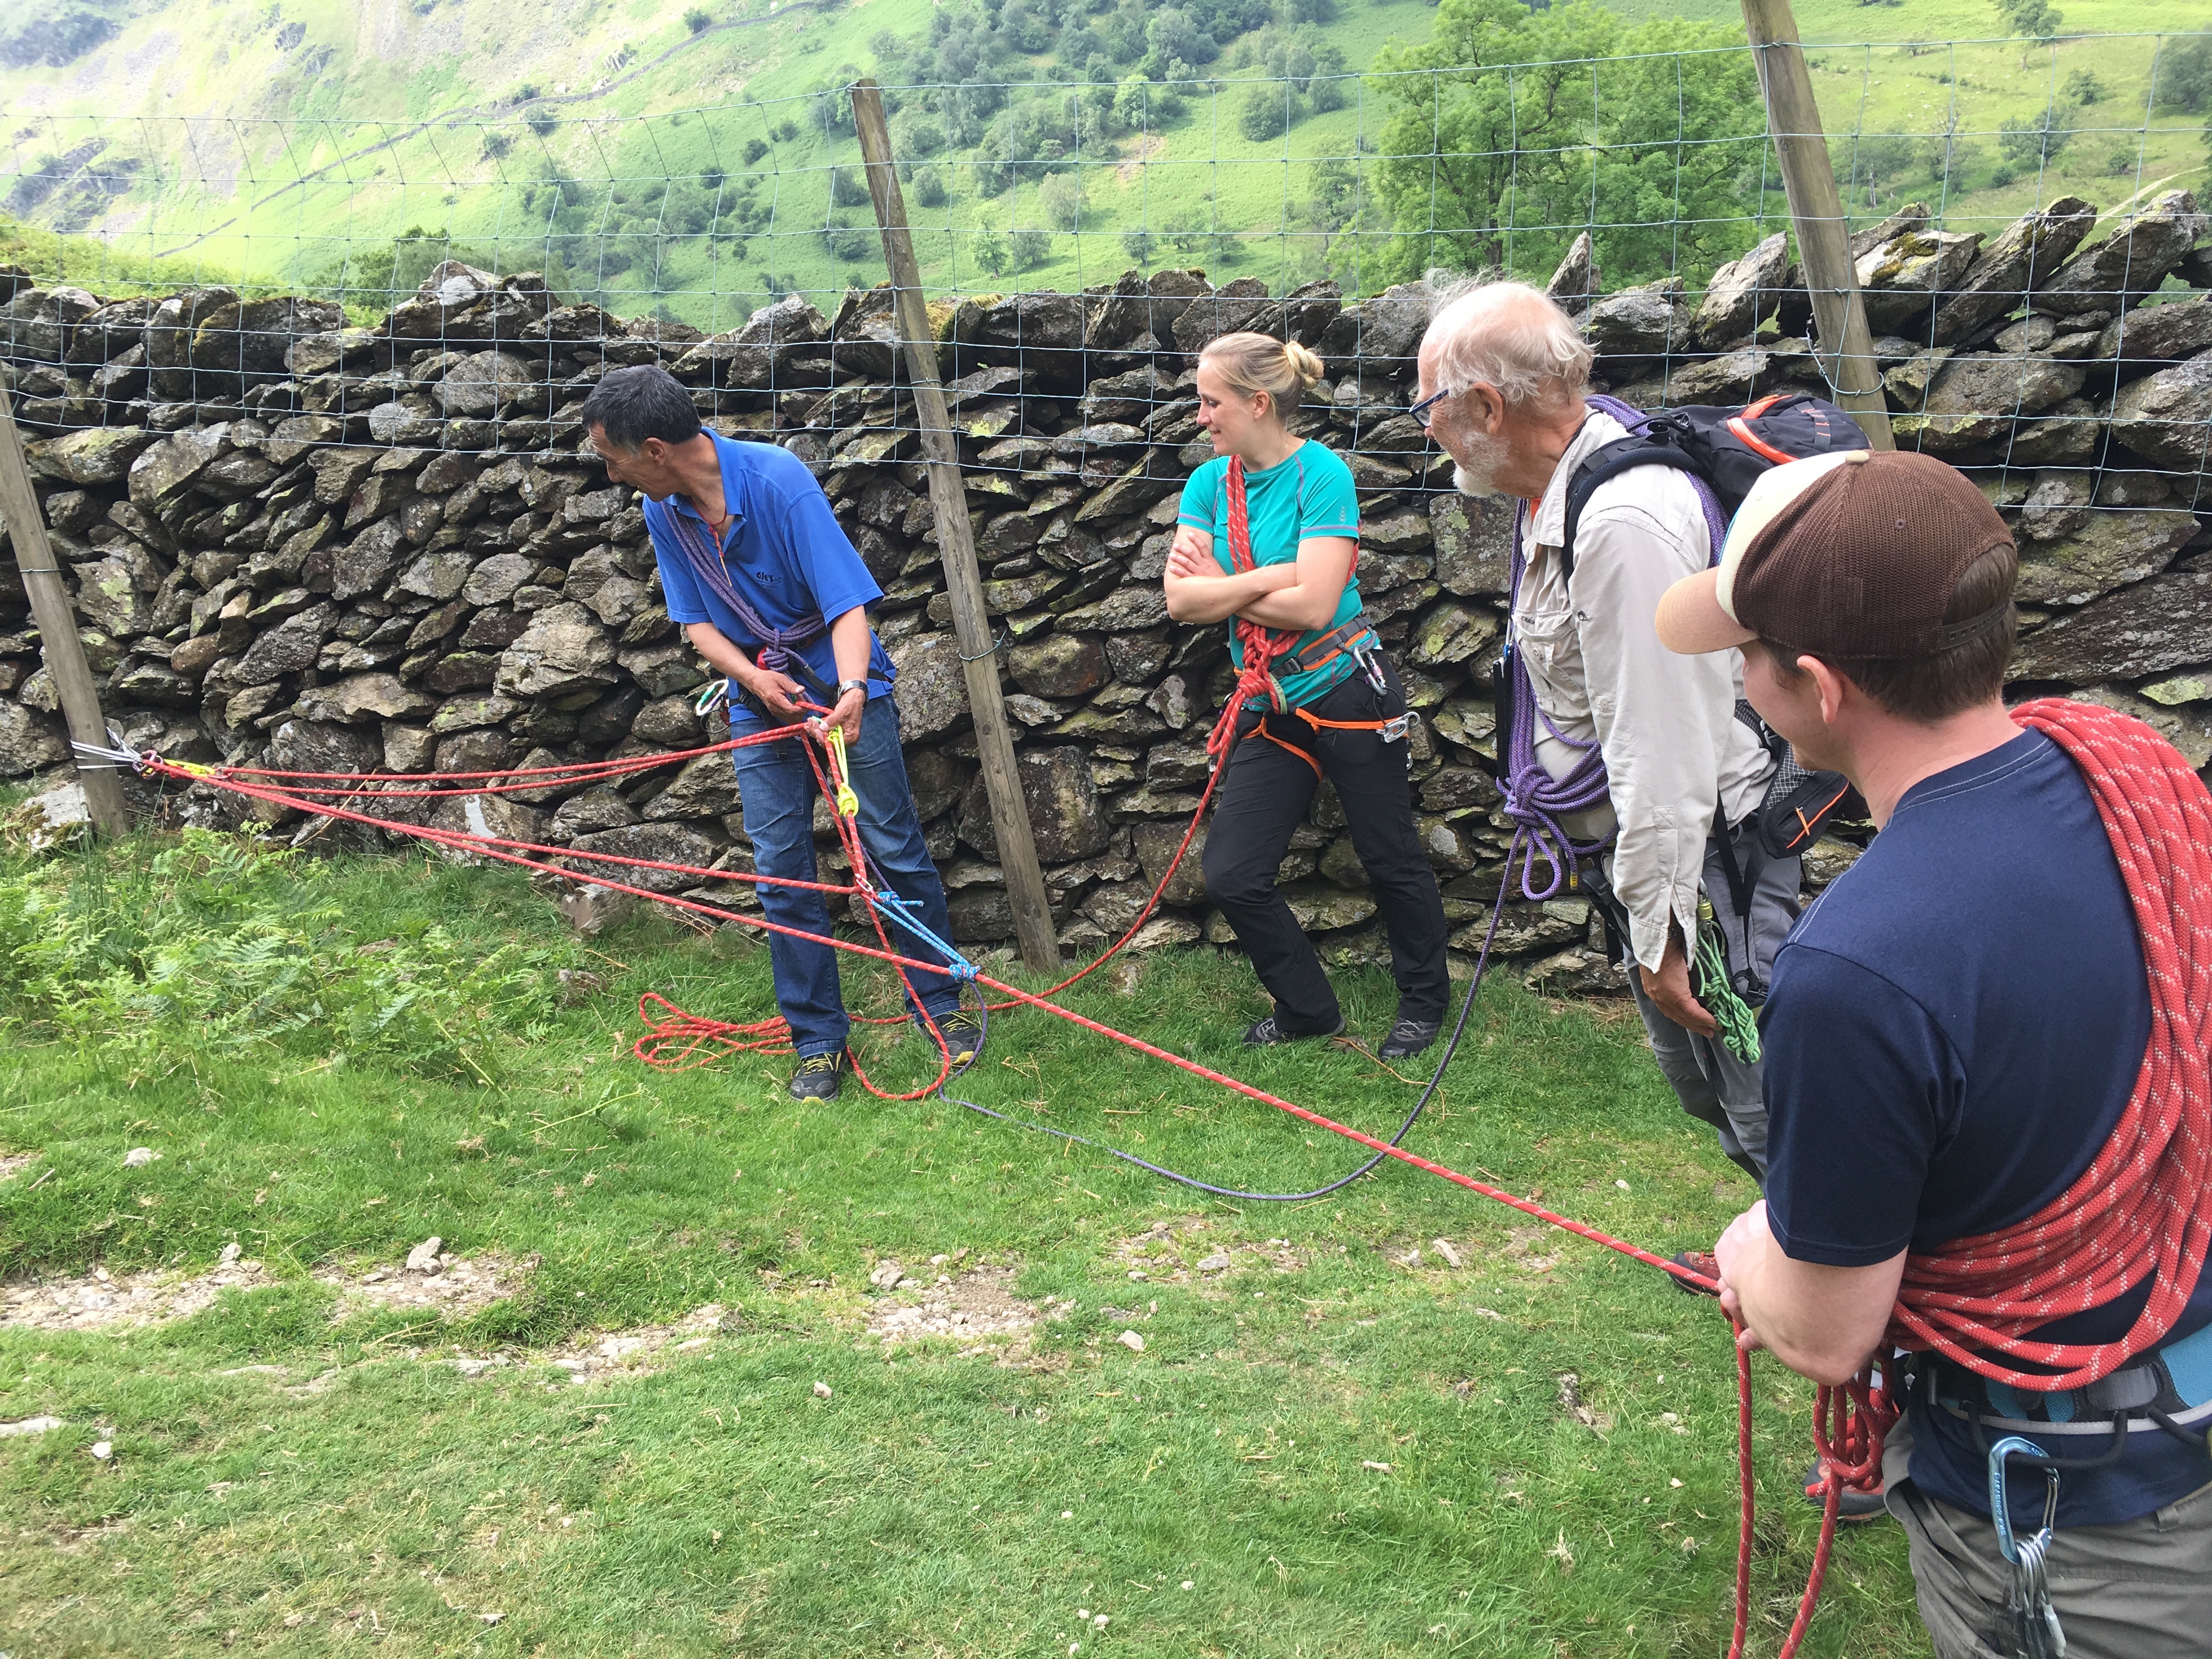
point(1451, 1048)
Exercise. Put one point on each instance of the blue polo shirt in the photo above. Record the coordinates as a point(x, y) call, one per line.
point(785, 555)
point(1954, 1027)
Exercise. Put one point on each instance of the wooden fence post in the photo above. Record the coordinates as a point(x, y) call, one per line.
point(1824, 245)
point(956, 545)
point(56, 621)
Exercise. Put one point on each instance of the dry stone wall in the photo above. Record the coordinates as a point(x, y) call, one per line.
point(303, 544)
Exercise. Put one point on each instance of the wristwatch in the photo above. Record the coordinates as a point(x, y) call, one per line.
point(843, 686)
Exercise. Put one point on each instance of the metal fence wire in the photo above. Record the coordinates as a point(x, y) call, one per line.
point(2025, 234)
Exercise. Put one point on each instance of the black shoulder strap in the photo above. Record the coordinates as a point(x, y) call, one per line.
point(1604, 462)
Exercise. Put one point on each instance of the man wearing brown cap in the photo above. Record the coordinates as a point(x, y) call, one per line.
point(1966, 1061)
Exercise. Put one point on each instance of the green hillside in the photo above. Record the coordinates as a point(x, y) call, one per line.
point(695, 156)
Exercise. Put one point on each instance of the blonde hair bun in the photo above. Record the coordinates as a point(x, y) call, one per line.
point(1253, 363)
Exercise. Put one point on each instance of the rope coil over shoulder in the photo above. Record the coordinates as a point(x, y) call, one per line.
point(2139, 1209)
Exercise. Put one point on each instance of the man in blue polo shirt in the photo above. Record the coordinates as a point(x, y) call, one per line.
point(771, 594)
point(1956, 1028)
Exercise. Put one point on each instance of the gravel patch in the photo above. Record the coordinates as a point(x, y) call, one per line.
point(98, 1299)
point(1187, 1250)
point(977, 1310)
point(429, 1282)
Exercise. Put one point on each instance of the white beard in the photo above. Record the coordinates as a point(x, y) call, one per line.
point(1478, 474)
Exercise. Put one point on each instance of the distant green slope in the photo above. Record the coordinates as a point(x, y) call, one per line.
point(698, 171)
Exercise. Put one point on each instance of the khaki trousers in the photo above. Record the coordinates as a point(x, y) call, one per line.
point(2139, 1590)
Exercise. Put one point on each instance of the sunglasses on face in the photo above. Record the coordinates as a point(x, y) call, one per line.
point(1425, 410)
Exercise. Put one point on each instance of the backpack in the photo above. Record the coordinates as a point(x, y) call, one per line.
point(1727, 448)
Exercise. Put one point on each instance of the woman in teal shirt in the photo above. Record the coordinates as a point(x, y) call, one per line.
point(1334, 708)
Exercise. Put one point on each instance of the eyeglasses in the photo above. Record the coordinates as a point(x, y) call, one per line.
point(1425, 410)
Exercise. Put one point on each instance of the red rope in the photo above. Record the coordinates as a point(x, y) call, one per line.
point(2134, 1212)
point(2138, 1210)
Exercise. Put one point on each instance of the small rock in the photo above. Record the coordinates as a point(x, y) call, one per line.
point(491, 1618)
point(821, 1391)
point(886, 1275)
point(1132, 1342)
point(1444, 1248)
point(1217, 1262)
point(424, 1258)
point(29, 1426)
point(1369, 1463)
point(103, 1450)
point(138, 1156)
point(230, 1253)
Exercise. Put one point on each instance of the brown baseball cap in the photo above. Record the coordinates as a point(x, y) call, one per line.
point(1854, 555)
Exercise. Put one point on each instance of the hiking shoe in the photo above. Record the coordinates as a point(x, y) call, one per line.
point(1698, 1261)
point(1266, 1033)
point(818, 1077)
point(962, 1033)
point(1409, 1036)
point(1853, 1505)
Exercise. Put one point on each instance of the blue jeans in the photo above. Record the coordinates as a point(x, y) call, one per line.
point(777, 788)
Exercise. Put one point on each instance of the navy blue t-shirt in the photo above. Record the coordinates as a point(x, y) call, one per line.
point(1954, 1027)
point(786, 556)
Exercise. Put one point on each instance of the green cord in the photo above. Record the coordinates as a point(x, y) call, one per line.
point(1738, 1021)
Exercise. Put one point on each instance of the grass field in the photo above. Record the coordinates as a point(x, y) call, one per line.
point(285, 171)
point(1323, 1448)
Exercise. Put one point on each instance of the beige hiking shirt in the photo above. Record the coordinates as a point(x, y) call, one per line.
point(1666, 724)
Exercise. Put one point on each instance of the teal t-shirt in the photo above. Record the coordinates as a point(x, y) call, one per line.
point(1307, 493)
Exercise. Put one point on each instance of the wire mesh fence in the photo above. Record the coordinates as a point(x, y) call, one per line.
point(2023, 229)
point(307, 433)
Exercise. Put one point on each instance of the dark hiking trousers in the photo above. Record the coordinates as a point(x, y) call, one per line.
point(1263, 802)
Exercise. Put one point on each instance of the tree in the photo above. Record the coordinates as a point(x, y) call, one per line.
point(2183, 74)
point(698, 19)
point(1029, 248)
point(1060, 198)
point(1171, 34)
point(2036, 144)
point(2030, 19)
point(929, 187)
point(1267, 112)
point(541, 120)
point(1504, 140)
point(2083, 87)
point(1136, 243)
point(1133, 110)
point(990, 251)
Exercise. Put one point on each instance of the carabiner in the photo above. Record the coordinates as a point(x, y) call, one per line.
point(2014, 1445)
point(713, 692)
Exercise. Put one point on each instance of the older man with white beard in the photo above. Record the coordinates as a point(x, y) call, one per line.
point(1503, 378)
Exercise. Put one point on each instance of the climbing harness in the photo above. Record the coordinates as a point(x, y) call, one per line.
point(1269, 654)
point(2034, 1621)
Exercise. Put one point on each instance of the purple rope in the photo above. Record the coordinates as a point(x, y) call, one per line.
point(1534, 800)
point(775, 643)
